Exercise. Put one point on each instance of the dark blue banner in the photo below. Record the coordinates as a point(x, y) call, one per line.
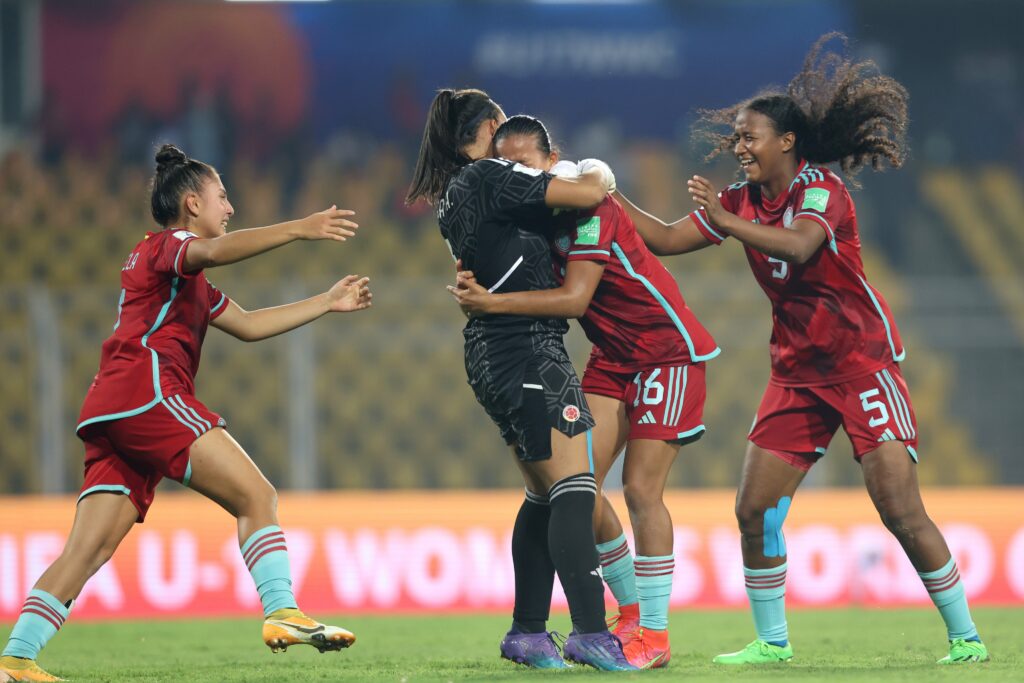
point(644, 65)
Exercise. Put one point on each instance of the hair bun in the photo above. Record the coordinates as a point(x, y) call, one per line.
point(169, 156)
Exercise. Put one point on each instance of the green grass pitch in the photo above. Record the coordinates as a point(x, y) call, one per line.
point(833, 645)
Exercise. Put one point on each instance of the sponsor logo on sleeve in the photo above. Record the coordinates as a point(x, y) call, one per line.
point(816, 199)
point(588, 231)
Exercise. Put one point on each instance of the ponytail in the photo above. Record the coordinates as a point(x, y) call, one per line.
point(452, 124)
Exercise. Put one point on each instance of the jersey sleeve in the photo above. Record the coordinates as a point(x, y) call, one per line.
point(218, 300)
point(510, 188)
point(730, 200)
point(823, 201)
point(169, 253)
point(593, 234)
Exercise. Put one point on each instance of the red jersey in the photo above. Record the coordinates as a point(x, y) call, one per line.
point(828, 324)
point(162, 318)
point(637, 317)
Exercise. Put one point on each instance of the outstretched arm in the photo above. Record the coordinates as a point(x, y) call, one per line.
point(795, 245)
point(663, 238)
point(351, 293)
point(568, 301)
point(242, 244)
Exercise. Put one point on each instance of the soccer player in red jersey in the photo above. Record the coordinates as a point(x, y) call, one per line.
point(141, 421)
point(834, 347)
point(644, 382)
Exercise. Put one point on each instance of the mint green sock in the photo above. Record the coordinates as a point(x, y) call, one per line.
point(41, 617)
point(766, 589)
point(947, 592)
point(266, 556)
point(617, 569)
point(654, 588)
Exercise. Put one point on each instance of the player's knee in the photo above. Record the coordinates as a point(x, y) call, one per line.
point(268, 496)
point(259, 500)
point(900, 519)
point(641, 497)
point(764, 522)
point(749, 517)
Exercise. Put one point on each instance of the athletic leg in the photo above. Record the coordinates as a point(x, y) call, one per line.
point(608, 438)
point(878, 416)
point(531, 558)
point(222, 471)
point(572, 491)
point(644, 475)
point(890, 475)
point(102, 520)
point(767, 486)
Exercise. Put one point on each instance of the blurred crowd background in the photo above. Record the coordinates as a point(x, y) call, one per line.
point(301, 105)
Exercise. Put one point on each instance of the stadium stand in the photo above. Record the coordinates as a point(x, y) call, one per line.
point(389, 404)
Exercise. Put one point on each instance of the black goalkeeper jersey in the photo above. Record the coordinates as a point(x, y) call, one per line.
point(493, 217)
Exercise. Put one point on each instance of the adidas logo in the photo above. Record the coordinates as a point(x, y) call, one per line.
point(887, 435)
point(648, 419)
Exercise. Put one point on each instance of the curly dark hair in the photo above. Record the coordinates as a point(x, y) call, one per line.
point(840, 111)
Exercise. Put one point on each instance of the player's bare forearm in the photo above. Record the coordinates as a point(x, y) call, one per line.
point(664, 239)
point(584, 192)
point(794, 245)
point(330, 224)
point(238, 245)
point(541, 303)
point(269, 322)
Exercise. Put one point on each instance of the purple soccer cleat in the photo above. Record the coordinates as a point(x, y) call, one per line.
point(601, 650)
point(535, 650)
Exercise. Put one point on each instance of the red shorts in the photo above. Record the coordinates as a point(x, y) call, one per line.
point(664, 403)
point(132, 454)
point(797, 423)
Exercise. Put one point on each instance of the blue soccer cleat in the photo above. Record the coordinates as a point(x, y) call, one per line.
point(535, 650)
point(601, 650)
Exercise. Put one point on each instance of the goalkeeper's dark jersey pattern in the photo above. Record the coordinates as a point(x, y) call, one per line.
point(494, 219)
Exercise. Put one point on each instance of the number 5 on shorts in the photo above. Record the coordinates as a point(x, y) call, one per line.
point(870, 406)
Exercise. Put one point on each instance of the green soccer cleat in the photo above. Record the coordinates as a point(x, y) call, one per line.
point(758, 652)
point(965, 652)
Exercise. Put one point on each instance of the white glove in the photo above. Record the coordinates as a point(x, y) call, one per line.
point(607, 177)
point(565, 169)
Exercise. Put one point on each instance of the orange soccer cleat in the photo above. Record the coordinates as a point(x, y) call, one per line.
point(649, 649)
point(287, 627)
point(626, 624)
point(18, 669)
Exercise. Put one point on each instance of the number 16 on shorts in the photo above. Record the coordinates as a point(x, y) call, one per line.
point(667, 403)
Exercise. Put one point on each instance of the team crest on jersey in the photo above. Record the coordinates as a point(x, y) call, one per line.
point(787, 218)
point(562, 243)
point(570, 413)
